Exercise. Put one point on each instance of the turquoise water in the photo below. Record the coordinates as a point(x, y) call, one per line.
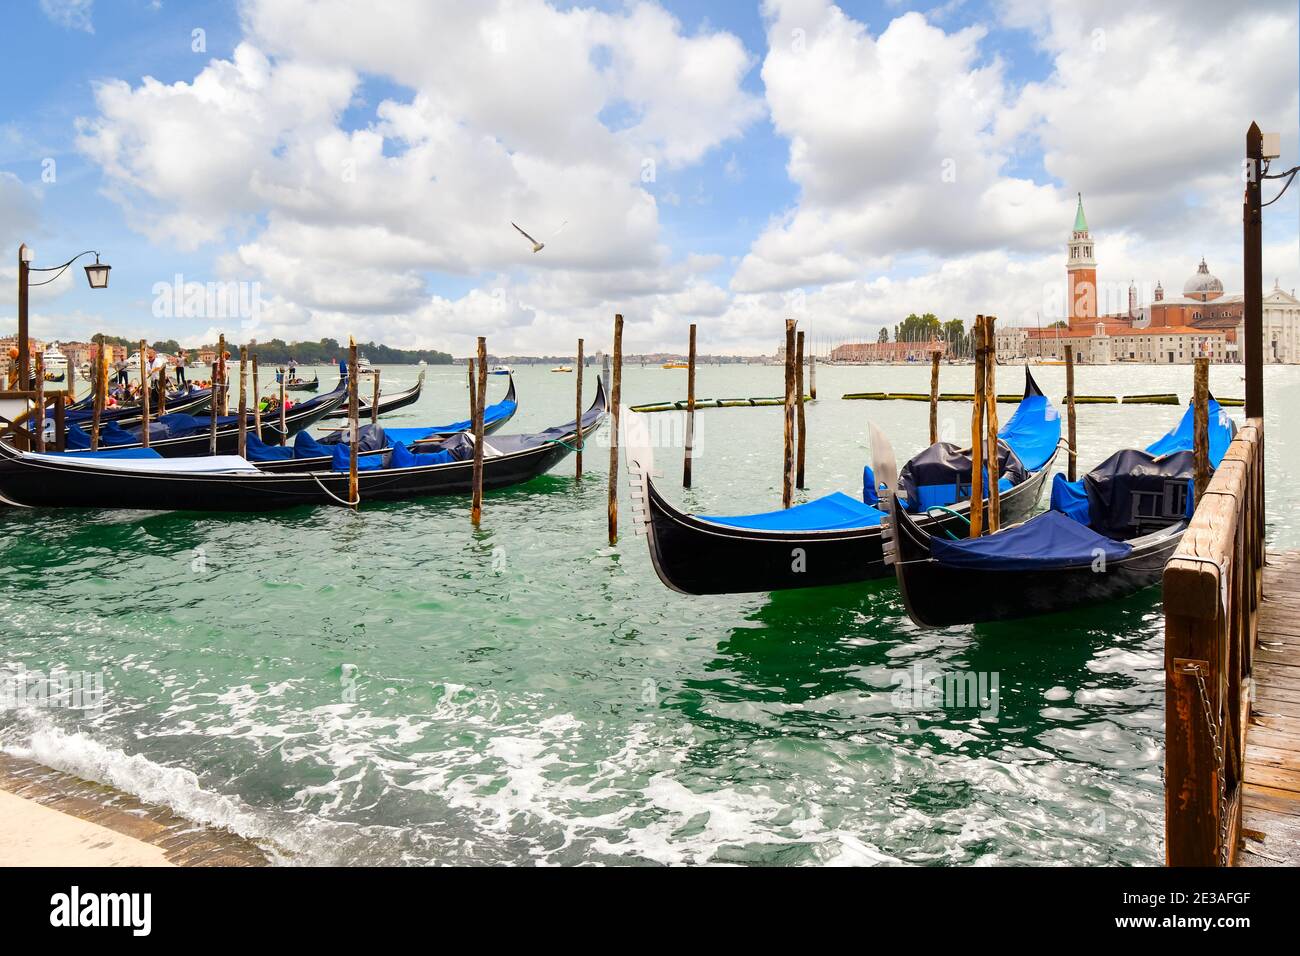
point(394, 686)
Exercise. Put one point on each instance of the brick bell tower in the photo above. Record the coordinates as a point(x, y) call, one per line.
point(1081, 270)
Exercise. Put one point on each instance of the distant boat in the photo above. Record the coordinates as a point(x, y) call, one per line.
point(363, 366)
point(562, 368)
point(55, 363)
point(500, 370)
point(422, 362)
point(676, 365)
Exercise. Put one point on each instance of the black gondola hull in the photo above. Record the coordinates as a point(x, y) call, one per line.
point(938, 595)
point(695, 556)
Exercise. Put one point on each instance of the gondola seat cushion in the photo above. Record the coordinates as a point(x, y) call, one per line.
point(403, 457)
point(257, 450)
point(304, 446)
point(341, 455)
point(1046, 541)
point(829, 513)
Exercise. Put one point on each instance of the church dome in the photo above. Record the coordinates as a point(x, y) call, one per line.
point(1202, 284)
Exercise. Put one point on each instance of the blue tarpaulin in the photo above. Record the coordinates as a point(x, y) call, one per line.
point(1070, 498)
point(1049, 540)
point(409, 436)
point(829, 513)
point(1183, 436)
point(1033, 431)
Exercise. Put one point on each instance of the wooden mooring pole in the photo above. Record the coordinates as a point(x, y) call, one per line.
point(1073, 464)
point(284, 400)
point(257, 401)
point(977, 434)
point(476, 506)
point(98, 383)
point(616, 396)
point(374, 398)
point(354, 426)
point(690, 411)
point(144, 394)
point(812, 370)
point(991, 415)
point(934, 396)
point(787, 447)
point(222, 355)
point(577, 413)
point(38, 436)
point(243, 400)
point(1200, 428)
point(798, 397)
point(214, 406)
point(473, 392)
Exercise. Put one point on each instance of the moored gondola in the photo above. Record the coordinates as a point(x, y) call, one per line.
point(178, 435)
point(387, 403)
point(189, 400)
point(299, 385)
point(139, 479)
point(834, 539)
point(1105, 536)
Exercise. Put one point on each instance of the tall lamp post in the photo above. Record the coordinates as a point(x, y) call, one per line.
point(96, 275)
point(1261, 150)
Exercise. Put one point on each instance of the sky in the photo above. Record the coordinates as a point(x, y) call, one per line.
point(309, 168)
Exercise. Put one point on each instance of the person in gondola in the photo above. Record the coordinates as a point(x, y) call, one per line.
point(180, 367)
point(119, 368)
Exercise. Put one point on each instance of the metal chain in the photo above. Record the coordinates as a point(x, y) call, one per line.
point(1219, 761)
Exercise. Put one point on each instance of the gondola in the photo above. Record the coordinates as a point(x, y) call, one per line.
point(188, 436)
point(387, 403)
point(494, 417)
point(834, 539)
point(1107, 535)
point(141, 479)
point(186, 401)
point(298, 385)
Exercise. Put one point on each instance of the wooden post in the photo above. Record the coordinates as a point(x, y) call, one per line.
point(24, 345)
point(977, 434)
point(243, 400)
point(162, 390)
point(225, 375)
point(1069, 413)
point(214, 406)
point(798, 397)
point(1253, 274)
point(787, 448)
point(604, 372)
point(991, 414)
point(284, 400)
point(690, 411)
point(616, 395)
point(98, 384)
point(257, 402)
point(39, 435)
point(934, 396)
point(812, 372)
point(1200, 427)
point(374, 399)
point(577, 414)
point(144, 393)
point(353, 425)
point(473, 395)
point(60, 423)
point(476, 505)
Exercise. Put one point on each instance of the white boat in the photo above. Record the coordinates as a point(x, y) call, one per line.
point(421, 363)
point(55, 363)
point(500, 370)
point(363, 366)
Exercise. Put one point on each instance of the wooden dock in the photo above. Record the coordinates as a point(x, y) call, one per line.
point(1270, 816)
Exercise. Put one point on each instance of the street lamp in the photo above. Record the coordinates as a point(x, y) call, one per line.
point(96, 275)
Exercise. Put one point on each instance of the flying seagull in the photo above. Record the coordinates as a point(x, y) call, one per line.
point(537, 246)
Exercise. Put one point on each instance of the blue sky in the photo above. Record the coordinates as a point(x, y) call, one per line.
point(734, 201)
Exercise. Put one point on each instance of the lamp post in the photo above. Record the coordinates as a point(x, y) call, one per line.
point(96, 275)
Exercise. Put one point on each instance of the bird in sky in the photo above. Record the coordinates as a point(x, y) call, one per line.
point(537, 246)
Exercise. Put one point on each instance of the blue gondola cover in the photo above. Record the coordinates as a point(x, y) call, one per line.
point(1046, 541)
point(829, 513)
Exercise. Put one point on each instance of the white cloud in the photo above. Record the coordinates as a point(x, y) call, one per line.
point(71, 14)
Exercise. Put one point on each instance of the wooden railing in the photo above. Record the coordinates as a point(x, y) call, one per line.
point(18, 432)
point(1212, 591)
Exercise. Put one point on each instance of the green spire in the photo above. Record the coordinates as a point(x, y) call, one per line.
point(1080, 224)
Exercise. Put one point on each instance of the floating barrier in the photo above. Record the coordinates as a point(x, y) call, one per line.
point(1160, 398)
point(680, 406)
point(1094, 400)
point(922, 397)
point(1231, 402)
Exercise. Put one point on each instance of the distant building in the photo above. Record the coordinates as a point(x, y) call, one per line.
point(859, 352)
point(1203, 321)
